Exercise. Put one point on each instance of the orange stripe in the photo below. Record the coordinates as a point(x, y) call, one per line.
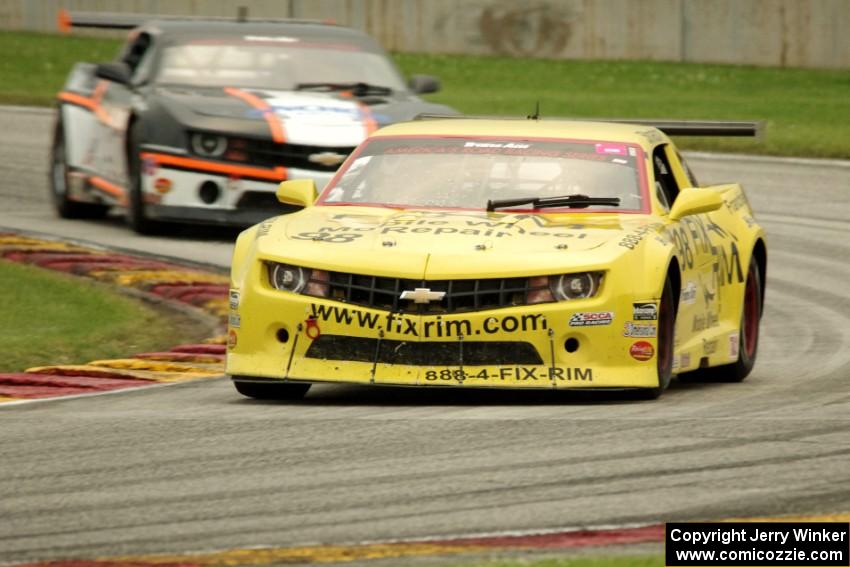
point(92, 103)
point(276, 174)
point(79, 100)
point(97, 97)
point(99, 89)
point(272, 120)
point(111, 188)
point(369, 122)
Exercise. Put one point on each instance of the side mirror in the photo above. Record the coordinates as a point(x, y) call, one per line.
point(115, 72)
point(691, 201)
point(424, 84)
point(298, 192)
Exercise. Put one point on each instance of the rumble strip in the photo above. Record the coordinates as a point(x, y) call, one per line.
point(168, 281)
point(557, 539)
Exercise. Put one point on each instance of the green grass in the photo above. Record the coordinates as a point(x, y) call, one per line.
point(34, 66)
point(610, 561)
point(54, 318)
point(806, 110)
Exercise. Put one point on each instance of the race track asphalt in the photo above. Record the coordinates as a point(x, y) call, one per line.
point(195, 466)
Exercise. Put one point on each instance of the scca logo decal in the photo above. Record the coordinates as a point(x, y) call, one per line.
point(591, 319)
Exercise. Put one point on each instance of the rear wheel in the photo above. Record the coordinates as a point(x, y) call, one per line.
point(65, 207)
point(748, 336)
point(137, 216)
point(270, 390)
point(664, 354)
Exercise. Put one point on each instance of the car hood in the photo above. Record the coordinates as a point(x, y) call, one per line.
point(437, 245)
point(308, 118)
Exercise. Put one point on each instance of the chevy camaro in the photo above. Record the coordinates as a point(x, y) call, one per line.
point(200, 120)
point(504, 254)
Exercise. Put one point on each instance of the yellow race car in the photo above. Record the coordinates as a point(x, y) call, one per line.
point(501, 253)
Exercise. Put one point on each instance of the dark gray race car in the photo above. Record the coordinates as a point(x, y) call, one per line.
point(199, 120)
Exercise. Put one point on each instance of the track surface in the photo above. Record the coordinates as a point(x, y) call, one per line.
point(195, 466)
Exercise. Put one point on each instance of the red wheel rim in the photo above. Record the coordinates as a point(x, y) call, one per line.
point(750, 326)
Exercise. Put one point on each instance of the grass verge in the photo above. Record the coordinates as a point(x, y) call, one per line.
point(805, 109)
point(36, 65)
point(54, 318)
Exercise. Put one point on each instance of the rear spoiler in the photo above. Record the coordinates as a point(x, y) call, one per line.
point(736, 128)
point(126, 21)
point(742, 128)
point(65, 20)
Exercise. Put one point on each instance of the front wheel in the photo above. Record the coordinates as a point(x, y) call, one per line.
point(137, 216)
point(666, 330)
point(64, 206)
point(271, 390)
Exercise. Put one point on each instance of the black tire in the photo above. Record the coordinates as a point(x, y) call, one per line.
point(66, 208)
point(664, 355)
point(271, 390)
point(748, 335)
point(137, 216)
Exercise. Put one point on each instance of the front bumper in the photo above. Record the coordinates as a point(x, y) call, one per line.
point(279, 335)
point(211, 215)
point(238, 201)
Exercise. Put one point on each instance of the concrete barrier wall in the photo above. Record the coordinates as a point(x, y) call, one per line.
point(793, 33)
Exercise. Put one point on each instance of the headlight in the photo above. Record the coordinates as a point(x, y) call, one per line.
point(545, 289)
point(299, 280)
point(575, 286)
point(208, 145)
point(287, 278)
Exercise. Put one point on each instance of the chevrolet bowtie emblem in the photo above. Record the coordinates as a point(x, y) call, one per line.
point(327, 158)
point(423, 295)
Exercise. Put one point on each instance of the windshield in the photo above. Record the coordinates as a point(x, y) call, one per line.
point(465, 173)
point(272, 63)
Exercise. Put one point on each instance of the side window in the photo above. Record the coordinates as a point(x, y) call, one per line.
point(137, 55)
point(662, 197)
point(666, 188)
point(691, 177)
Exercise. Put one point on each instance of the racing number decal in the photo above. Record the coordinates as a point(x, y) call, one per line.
point(334, 238)
point(683, 246)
